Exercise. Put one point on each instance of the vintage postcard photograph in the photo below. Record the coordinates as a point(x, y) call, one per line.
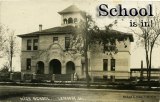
point(79, 51)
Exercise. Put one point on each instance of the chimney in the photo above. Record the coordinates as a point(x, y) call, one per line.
point(40, 27)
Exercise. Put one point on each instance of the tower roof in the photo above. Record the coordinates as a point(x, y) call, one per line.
point(70, 9)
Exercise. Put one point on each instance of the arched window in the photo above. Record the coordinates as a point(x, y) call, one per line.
point(65, 21)
point(70, 20)
point(75, 20)
point(70, 67)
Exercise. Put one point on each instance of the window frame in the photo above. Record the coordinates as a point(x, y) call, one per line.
point(65, 21)
point(29, 44)
point(67, 40)
point(105, 65)
point(113, 64)
point(54, 39)
point(35, 47)
point(28, 63)
point(75, 20)
point(70, 20)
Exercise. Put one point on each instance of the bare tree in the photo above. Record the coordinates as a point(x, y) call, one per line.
point(149, 38)
point(2, 38)
point(5, 68)
point(11, 48)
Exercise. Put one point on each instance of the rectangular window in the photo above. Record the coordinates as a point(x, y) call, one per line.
point(55, 39)
point(105, 64)
point(28, 62)
point(113, 64)
point(105, 67)
point(67, 43)
point(35, 44)
point(29, 44)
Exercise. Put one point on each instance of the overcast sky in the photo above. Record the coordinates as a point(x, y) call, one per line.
point(24, 16)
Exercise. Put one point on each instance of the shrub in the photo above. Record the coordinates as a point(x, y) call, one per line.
point(16, 76)
point(27, 77)
point(4, 69)
point(4, 76)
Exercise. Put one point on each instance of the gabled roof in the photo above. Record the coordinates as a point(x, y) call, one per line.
point(70, 9)
point(55, 30)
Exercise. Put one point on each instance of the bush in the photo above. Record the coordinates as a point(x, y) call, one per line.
point(42, 78)
point(4, 69)
point(36, 81)
point(16, 76)
point(28, 77)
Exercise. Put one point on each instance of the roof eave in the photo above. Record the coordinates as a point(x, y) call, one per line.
point(53, 33)
point(69, 12)
point(22, 36)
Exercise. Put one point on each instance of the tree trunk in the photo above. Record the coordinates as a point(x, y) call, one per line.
point(11, 61)
point(11, 64)
point(150, 65)
point(11, 53)
point(141, 75)
point(86, 66)
point(86, 59)
point(147, 60)
point(86, 43)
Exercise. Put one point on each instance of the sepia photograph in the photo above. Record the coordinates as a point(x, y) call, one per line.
point(79, 51)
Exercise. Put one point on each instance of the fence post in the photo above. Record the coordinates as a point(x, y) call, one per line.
point(159, 79)
point(34, 76)
point(136, 79)
point(53, 77)
point(22, 76)
point(72, 77)
point(11, 76)
point(113, 78)
point(92, 79)
point(130, 74)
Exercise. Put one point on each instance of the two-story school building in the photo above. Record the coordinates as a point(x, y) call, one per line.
point(47, 51)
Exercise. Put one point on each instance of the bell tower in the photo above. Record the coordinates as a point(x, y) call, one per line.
point(71, 16)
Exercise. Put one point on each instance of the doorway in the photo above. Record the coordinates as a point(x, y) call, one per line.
point(55, 66)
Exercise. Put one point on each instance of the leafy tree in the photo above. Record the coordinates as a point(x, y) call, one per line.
point(88, 33)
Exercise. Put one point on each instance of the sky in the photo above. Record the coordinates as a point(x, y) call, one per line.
point(24, 16)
